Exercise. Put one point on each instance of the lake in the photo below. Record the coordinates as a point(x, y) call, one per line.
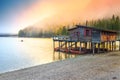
point(15, 54)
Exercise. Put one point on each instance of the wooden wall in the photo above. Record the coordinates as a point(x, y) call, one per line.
point(108, 36)
point(89, 34)
point(96, 36)
point(80, 34)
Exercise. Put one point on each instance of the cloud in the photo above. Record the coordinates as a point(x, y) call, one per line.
point(49, 12)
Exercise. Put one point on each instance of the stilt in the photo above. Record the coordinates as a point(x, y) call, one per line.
point(86, 45)
point(119, 45)
point(107, 46)
point(93, 44)
point(53, 45)
point(59, 46)
point(66, 49)
point(69, 47)
point(112, 45)
point(104, 47)
point(75, 45)
point(98, 47)
point(80, 47)
point(89, 45)
point(66, 45)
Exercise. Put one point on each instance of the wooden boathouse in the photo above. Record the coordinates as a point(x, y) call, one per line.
point(83, 39)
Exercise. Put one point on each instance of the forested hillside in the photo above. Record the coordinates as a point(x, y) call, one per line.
point(112, 23)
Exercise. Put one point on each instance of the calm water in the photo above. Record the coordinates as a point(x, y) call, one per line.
point(15, 54)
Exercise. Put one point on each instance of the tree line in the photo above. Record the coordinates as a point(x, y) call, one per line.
point(112, 23)
point(32, 32)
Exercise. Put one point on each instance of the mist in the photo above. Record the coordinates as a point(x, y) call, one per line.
point(47, 13)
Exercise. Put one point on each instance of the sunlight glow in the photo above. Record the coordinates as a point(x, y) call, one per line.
point(66, 12)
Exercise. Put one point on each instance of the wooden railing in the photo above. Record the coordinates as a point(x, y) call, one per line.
point(61, 38)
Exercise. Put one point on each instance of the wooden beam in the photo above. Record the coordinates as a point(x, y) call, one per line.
point(53, 45)
point(107, 46)
point(93, 47)
point(89, 45)
point(59, 46)
point(75, 45)
point(69, 47)
point(80, 47)
point(119, 45)
point(112, 45)
point(98, 47)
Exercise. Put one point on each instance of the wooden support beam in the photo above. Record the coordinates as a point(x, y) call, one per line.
point(119, 45)
point(66, 45)
point(53, 45)
point(98, 47)
point(103, 46)
point(59, 46)
point(112, 46)
point(93, 48)
point(89, 45)
point(80, 47)
point(75, 45)
point(69, 47)
point(85, 45)
point(66, 49)
point(107, 46)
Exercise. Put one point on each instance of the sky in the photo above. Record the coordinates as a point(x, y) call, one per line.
point(18, 14)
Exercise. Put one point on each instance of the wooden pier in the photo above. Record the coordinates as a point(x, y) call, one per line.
point(84, 39)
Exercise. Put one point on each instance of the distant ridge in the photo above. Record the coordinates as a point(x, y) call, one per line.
point(8, 35)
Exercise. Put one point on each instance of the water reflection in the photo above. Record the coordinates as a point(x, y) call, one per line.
point(61, 56)
point(15, 54)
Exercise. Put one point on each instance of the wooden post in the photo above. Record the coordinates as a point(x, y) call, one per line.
point(93, 45)
point(119, 45)
point(112, 45)
point(75, 45)
point(65, 49)
point(69, 47)
point(103, 46)
point(86, 45)
point(98, 47)
point(80, 48)
point(59, 46)
point(107, 46)
point(66, 45)
point(53, 45)
point(89, 45)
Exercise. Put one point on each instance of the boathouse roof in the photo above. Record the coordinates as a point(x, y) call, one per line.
point(79, 26)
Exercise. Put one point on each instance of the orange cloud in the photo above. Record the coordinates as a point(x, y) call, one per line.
point(67, 11)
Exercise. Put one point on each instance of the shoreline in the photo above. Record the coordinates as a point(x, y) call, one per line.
point(105, 66)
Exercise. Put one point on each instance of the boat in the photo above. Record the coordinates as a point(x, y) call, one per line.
point(56, 49)
point(21, 40)
point(77, 52)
